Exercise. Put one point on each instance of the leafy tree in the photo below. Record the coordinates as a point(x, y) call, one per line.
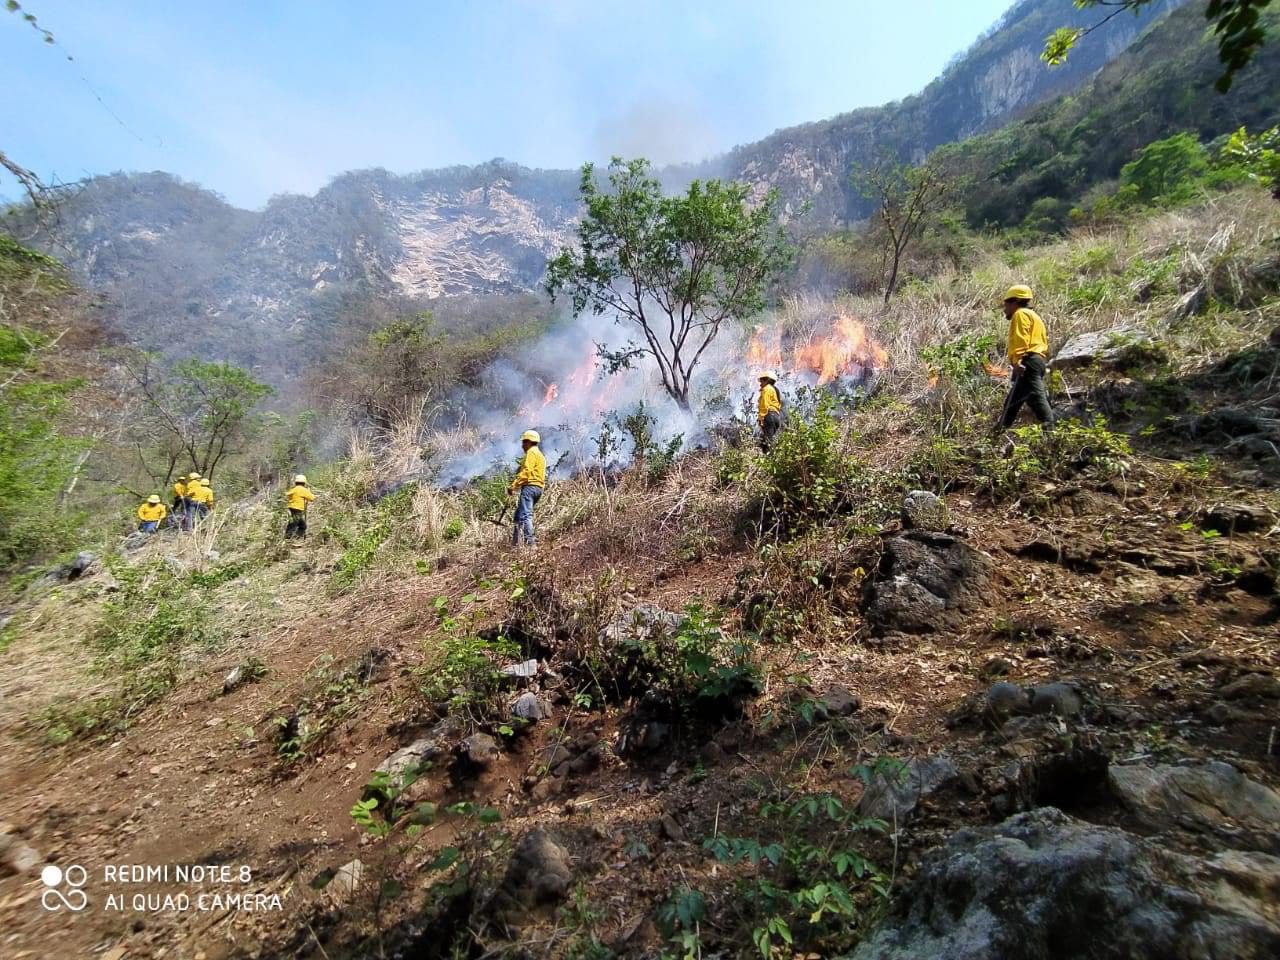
point(676, 268)
point(1238, 24)
point(193, 411)
point(906, 198)
point(35, 459)
point(1166, 170)
point(1257, 154)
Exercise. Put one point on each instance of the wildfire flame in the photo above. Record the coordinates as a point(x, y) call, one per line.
point(1001, 373)
point(553, 391)
point(846, 350)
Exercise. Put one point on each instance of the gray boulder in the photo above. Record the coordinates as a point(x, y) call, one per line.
point(1252, 686)
point(1042, 886)
point(415, 756)
point(1005, 700)
point(1212, 795)
point(925, 582)
point(1118, 348)
point(529, 706)
point(74, 569)
point(922, 510)
point(1236, 517)
point(345, 882)
point(1058, 698)
point(539, 872)
point(136, 540)
point(480, 748)
point(893, 796)
point(17, 857)
point(644, 621)
point(1189, 305)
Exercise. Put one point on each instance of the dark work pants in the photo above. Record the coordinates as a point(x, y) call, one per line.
point(297, 525)
point(1028, 387)
point(769, 428)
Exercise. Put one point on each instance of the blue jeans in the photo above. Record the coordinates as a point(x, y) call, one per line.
point(148, 526)
point(524, 515)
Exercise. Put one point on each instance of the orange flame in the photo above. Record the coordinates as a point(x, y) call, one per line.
point(1001, 373)
point(553, 391)
point(845, 350)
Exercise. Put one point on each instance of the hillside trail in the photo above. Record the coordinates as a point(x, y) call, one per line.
point(1105, 589)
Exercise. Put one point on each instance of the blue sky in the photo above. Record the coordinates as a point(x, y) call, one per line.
point(256, 98)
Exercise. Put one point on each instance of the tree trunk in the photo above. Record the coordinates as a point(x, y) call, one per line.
point(893, 276)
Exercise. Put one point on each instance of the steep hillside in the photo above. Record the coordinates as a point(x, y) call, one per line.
point(1000, 76)
point(182, 270)
point(897, 689)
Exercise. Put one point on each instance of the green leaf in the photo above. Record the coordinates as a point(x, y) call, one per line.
point(446, 858)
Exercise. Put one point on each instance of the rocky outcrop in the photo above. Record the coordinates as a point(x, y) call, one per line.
point(893, 794)
point(540, 873)
point(1043, 885)
point(1120, 348)
point(1213, 796)
point(925, 582)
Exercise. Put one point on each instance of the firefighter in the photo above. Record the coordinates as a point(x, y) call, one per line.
point(201, 496)
point(299, 496)
point(180, 496)
point(150, 514)
point(1028, 360)
point(183, 504)
point(769, 409)
point(527, 486)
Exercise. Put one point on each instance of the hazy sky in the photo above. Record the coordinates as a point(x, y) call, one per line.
point(255, 98)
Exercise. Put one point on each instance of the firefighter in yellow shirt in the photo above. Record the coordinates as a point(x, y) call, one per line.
point(1028, 358)
point(183, 503)
point(527, 487)
point(298, 497)
point(150, 514)
point(769, 408)
point(201, 496)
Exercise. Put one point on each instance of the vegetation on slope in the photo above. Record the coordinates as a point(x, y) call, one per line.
point(765, 564)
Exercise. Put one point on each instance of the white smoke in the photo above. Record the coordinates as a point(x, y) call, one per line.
point(560, 388)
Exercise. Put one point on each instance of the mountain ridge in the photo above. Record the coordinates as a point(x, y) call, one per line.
point(162, 250)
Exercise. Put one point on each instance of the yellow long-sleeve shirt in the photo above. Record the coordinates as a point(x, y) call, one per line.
point(533, 470)
point(299, 496)
point(1026, 335)
point(180, 489)
point(149, 512)
point(200, 492)
point(769, 401)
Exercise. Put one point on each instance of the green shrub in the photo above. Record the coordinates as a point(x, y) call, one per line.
point(694, 666)
point(1073, 448)
point(805, 468)
point(155, 618)
point(453, 529)
point(467, 676)
point(36, 461)
point(810, 889)
point(373, 528)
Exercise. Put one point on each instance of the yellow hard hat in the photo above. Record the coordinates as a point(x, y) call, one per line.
point(153, 499)
point(300, 478)
point(1019, 291)
point(768, 375)
point(531, 436)
point(193, 476)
